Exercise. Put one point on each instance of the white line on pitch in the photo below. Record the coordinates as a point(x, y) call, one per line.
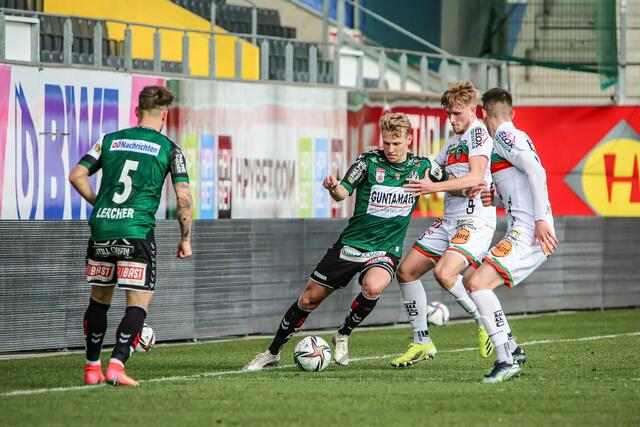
point(358, 359)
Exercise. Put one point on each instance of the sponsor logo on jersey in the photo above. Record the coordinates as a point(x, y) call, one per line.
point(506, 139)
point(115, 250)
point(462, 236)
point(514, 234)
point(136, 146)
point(380, 175)
point(322, 276)
point(99, 271)
point(467, 222)
point(179, 164)
point(348, 253)
point(502, 249)
point(132, 273)
point(388, 202)
point(356, 170)
point(478, 137)
point(380, 260)
point(608, 177)
point(436, 171)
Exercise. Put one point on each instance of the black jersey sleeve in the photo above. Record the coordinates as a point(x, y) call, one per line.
point(93, 159)
point(437, 173)
point(355, 174)
point(178, 165)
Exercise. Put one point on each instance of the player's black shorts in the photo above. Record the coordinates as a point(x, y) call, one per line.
point(336, 269)
point(129, 263)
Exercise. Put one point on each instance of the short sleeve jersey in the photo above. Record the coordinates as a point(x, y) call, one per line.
point(383, 208)
point(511, 183)
point(454, 156)
point(134, 165)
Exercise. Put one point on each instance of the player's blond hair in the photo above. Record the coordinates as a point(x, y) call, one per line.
point(397, 124)
point(462, 93)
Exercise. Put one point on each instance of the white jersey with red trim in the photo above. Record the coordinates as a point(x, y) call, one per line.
point(454, 156)
point(510, 148)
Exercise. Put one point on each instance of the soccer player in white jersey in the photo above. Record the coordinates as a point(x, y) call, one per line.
point(452, 243)
point(520, 182)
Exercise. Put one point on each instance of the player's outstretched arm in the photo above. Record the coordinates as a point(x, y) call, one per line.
point(336, 191)
point(475, 177)
point(79, 178)
point(184, 211)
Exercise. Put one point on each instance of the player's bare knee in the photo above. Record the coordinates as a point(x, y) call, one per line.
point(444, 276)
point(406, 273)
point(372, 289)
point(309, 301)
point(473, 283)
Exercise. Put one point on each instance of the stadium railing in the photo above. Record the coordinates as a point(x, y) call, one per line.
point(75, 40)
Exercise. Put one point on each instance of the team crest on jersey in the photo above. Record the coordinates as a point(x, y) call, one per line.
point(413, 175)
point(379, 175)
point(458, 154)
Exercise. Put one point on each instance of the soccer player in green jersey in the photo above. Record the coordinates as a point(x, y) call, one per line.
point(122, 250)
point(370, 245)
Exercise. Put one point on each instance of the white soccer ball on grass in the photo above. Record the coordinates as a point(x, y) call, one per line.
point(312, 354)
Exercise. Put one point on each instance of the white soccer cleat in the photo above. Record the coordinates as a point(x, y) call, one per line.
point(341, 352)
point(262, 360)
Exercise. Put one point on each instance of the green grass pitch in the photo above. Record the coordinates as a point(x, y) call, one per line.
point(584, 369)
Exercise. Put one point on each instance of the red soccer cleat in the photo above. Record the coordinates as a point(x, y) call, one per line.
point(93, 374)
point(117, 376)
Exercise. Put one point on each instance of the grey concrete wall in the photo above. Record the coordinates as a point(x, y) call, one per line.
point(245, 273)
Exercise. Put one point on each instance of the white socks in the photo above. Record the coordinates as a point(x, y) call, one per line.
point(460, 294)
point(415, 302)
point(495, 322)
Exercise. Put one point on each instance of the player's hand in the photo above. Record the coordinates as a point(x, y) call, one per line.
point(184, 249)
point(420, 186)
point(473, 191)
point(543, 235)
point(487, 197)
point(330, 182)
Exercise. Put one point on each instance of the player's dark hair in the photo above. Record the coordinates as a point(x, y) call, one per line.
point(463, 93)
point(397, 124)
point(152, 97)
point(495, 100)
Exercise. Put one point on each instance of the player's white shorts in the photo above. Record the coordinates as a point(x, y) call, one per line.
point(468, 237)
point(515, 257)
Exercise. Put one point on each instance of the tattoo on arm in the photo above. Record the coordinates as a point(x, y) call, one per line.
point(184, 209)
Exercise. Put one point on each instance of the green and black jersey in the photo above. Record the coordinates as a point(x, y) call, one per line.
point(383, 208)
point(134, 165)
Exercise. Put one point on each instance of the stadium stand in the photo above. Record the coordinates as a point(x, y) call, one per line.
point(237, 19)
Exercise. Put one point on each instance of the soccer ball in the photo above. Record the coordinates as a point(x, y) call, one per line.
point(147, 339)
point(437, 314)
point(312, 354)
